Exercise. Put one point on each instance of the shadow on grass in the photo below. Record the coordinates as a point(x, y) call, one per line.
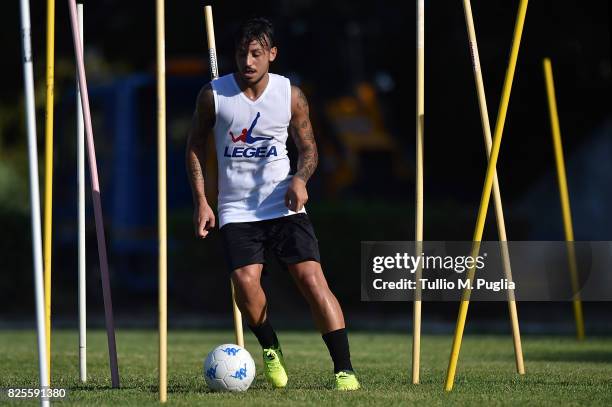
point(190, 388)
point(96, 387)
point(179, 388)
point(597, 356)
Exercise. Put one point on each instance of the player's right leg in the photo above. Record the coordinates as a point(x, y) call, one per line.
point(250, 296)
point(243, 244)
point(251, 300)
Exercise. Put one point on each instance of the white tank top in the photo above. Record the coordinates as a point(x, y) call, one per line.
point(250, 138)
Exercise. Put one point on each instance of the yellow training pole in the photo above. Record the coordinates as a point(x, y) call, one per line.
point(49, 172)
point(214, 74)
point(416, 310)
point(499, 211)
point(161, 198)
point(564, 195)
point(486, 192)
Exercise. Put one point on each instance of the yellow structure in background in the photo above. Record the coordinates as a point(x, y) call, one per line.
point(486, 191)
point(49, 173)
point(564, 195)
point(358, 121)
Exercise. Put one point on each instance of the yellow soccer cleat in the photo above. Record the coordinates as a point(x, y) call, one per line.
point(347, 381)
point(274, 367)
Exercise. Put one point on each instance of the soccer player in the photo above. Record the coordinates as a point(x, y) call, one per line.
point(261, 205)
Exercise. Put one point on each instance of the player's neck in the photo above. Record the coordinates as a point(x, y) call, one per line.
point(255, 90)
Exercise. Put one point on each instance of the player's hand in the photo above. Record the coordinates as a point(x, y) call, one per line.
point(203, 220)
point(296, 196)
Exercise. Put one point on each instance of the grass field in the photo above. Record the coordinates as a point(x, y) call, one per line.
point(560, 371)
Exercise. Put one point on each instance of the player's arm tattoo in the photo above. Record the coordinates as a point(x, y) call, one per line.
point(303, 136)
point(195, 154)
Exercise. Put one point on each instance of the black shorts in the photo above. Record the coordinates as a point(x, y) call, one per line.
point(291, 239)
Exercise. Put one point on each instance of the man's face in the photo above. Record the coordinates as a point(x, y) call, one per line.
point(253, 61)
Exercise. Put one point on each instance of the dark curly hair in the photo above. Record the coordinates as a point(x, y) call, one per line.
point(259, 29)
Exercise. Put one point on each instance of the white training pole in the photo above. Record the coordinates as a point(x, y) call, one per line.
point(28, 77)
point(81, 204)
point(210, 39)
point(214, 74)
point(416, 312)
point(161, 199)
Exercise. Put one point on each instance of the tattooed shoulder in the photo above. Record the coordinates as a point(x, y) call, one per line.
point(299, 100)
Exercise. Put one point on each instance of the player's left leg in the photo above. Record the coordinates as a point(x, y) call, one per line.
point(328, 317)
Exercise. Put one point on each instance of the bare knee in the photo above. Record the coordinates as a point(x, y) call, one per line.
point(247, 279)
point(310, 279)
point(250, 297)
point(312, 283)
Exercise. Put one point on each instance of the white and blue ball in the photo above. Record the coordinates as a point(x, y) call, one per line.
point(229, 367)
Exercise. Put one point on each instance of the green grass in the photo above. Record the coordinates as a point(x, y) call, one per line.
point(560, 371)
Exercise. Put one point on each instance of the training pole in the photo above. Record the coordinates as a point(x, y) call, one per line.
point(214, 74)
point(49, 172)
point(81, 220)
point(28, 79)
point(161, 198)
point(97, 200)
point(564, 196)
point(420, 116)
point(486, 191)
point(499, 211)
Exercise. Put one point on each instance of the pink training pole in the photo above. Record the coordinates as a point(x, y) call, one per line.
point(97, 202)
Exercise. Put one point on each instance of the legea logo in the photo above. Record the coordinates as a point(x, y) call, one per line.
point(246, 136)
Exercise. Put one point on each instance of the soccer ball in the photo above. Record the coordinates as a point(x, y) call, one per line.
point(229, 367)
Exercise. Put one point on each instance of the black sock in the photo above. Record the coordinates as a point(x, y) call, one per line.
point(265, 335)
point(338, 345)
